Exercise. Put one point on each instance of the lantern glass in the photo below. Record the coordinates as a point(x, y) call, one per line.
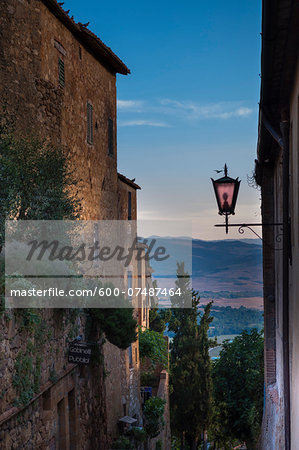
point(225, 195)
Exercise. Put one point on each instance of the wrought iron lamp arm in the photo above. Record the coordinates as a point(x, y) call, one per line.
point(241, 227)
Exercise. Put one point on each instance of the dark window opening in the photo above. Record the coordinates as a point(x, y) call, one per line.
point(61, 74)
point(89, 124)
point(130, 357)
point(80, 53)
point(129, 205)
point(130, 283)
point(47, 400)
point(110, 138)
point(61, 424)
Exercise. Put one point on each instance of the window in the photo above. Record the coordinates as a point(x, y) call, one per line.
point(80, 53)
point(130, 283)
point(47, 400)
point(129, 205)
point(89, 124)
point(130, 357)
point(61, 424)
point(110, 137)
point(61, 72)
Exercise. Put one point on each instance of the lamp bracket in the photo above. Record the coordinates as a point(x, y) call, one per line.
point(242, 227)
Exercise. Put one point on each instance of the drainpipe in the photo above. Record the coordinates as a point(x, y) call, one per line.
point(285, 128)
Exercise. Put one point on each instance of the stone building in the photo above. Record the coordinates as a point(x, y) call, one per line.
point(58, 81)
point(277, 172)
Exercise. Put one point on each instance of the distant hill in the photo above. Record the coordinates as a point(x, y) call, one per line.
point(233, 266)
point(228, 270)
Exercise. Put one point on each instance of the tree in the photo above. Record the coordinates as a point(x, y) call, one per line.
point(191, 403)
point(238, 387)
point(158, 318)
point(118, 325)
point(36, 182)
point(153, 416)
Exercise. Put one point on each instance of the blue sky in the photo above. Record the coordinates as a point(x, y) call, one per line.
point(189, 105)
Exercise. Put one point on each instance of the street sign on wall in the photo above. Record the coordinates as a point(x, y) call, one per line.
point(79, 353)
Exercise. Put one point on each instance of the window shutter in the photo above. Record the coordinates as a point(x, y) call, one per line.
point(61, 72)
point(89, 124)
point(110, 137)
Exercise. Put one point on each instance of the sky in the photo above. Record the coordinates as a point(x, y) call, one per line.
point(189, 105)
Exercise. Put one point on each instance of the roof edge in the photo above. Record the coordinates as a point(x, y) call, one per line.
point(92, 42)
point(127, 181)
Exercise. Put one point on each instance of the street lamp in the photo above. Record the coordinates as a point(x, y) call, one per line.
point(226, 192)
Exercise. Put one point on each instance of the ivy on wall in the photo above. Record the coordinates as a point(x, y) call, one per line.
point(27, 368)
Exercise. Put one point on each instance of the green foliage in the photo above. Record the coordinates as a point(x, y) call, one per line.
point(153, 346)
point(158, 318)
point(23, 378)
point(228, 320)
point(137, 434)
point(176, 444)
point(159, 445)
point(26, 379)
point(190, 375)
point(118, 325)
point(153, 416)
point(149, 379)
point(36, 182)
point(122, 443)
point(53, 377)
point(30, 319)
point(238, 388)
point(27, 369)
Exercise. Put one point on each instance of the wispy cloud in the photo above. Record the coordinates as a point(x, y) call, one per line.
point(130, 105)
point(141, 123)
point(191, 110)
point(178, 110)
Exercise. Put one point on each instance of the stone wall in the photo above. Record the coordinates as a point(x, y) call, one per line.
point(34, 42)
point(122, 367)
point(163, 392)
point(44, 399)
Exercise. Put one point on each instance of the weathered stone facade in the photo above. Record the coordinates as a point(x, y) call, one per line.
point(58, 82)
point(33, 42)
point(65, 401)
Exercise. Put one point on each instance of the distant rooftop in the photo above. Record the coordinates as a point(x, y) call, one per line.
point(128, 181)
point(92, 42)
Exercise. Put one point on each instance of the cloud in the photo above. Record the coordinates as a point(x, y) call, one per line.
point(176, 110)
point(130, 105)
point(140, 123)
point(191, 110)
